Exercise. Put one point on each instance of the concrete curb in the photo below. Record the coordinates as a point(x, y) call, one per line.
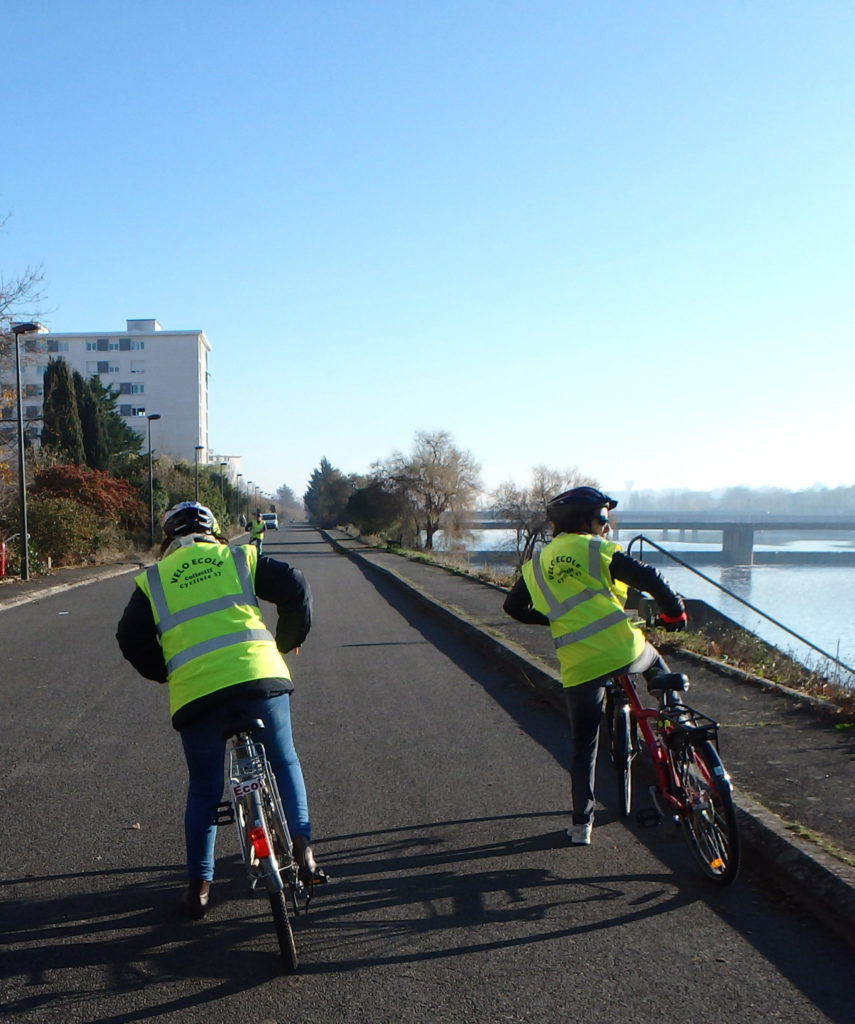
point(820, 883)
point(37, 594)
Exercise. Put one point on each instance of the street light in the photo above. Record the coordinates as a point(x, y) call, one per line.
point(17, 330)
point(199, 448)
point(151, 416)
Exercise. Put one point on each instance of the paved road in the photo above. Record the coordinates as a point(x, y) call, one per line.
point(439, 796)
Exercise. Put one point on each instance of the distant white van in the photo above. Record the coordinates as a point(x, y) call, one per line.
point(270, 520)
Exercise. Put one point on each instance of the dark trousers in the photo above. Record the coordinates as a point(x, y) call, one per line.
point(585, 710)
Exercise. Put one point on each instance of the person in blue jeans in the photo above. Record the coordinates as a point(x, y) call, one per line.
point(193, 622)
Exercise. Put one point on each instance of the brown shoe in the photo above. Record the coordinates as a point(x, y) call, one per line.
point(310, 873)
point(194, 902)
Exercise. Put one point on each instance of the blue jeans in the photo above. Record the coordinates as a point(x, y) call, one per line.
point(204, 750)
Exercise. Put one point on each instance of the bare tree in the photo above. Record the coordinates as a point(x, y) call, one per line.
point(525, 507)
point(439, 481)
point(19, 299)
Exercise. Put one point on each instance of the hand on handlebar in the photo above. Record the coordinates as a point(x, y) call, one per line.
point(673, 623)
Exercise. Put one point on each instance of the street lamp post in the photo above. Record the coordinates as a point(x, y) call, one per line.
point(199, 448)
point(151, 416)
point(18, 330)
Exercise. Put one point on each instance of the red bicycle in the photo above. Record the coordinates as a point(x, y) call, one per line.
point(691, 784)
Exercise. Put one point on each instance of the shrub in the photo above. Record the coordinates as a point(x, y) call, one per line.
point(115, 501)
point(62, 529)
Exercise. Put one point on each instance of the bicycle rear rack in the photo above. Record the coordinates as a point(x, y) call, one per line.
point(686, 722)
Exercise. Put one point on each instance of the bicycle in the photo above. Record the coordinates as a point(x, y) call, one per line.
point(691, 784)
point(265, 843)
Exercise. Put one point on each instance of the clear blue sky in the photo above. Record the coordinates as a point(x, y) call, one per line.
point(615, 235)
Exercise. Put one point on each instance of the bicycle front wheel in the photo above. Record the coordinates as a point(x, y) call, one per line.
point(709, 820)
point(284, 932)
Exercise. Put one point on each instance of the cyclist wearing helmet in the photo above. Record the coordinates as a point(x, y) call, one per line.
point(577, 585)
point(193, 622)
point(256, 531)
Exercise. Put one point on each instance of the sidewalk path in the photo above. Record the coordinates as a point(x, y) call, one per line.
point(14, 591)
point(792, 766)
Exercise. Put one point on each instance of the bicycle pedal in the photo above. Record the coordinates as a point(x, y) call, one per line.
point(648, 818)
point(224, 814)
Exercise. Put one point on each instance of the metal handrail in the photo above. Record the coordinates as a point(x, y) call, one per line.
point(646, 540)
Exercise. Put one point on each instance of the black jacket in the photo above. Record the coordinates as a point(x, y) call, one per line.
point(638, 575)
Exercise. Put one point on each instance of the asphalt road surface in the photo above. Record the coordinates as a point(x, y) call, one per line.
point(439, 797)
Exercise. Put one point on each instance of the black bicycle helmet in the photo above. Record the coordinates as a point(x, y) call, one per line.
point(578, 500)
point(188, 517)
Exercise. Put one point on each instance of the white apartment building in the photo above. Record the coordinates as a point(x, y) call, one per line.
point(153, 371)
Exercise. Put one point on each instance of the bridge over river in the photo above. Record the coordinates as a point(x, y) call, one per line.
point(737, 530)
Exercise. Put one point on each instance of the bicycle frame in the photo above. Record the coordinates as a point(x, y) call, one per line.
point(661, 726)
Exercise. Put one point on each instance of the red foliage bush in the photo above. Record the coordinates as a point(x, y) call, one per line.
point(107, 496)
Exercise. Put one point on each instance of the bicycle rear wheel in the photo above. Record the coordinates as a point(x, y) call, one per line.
point(709, 823)
point(284, 932)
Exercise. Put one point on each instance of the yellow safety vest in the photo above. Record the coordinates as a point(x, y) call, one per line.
point(208, 621)
point(257, 528)
point(570, 583)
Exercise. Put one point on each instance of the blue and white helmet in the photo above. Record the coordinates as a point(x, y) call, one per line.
point(188, 517)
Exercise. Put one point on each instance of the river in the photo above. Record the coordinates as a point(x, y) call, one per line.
point(815, 601)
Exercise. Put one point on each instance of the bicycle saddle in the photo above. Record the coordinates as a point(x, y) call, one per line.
point(242, 725)
point(668, 681)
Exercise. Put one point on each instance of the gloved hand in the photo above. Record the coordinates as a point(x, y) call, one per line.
point(673, 624)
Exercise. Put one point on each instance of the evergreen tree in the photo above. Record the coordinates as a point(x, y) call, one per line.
point(327, 495)
point(92, 417)
point(61, 429)
point(119, 436)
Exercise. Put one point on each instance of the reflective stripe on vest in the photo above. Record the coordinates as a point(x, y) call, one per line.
point(167, 620)
point(590, 629)
point(216, 644)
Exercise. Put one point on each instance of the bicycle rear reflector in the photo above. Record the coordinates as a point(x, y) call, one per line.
point(260, 843)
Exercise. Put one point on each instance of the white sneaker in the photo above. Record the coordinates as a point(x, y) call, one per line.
point(580, 835)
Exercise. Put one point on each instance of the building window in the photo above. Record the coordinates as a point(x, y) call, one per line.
point(137, 411)
point(112, 369)
point(137, 366)
point(62, 346)
point(92, 366)
point(32, 412)
point(113, 346)
point(33, 390)
point(137, 389)
point(91, 346)
point(137, 345)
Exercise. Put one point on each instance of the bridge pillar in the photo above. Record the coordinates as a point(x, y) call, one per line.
point(737, 544)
